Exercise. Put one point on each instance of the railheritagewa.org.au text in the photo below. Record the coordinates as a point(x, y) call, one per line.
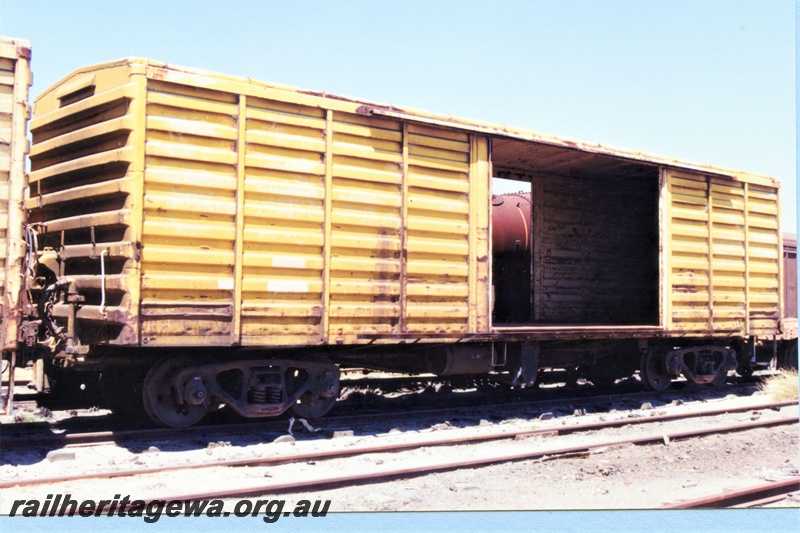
point(152, 510)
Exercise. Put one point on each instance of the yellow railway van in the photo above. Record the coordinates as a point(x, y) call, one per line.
point(198, 239)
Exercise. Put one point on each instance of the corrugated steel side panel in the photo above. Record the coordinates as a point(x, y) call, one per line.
point(283, 224)
point(723, 256)
point(189, 213)
point(85, 195)
point(438, 250)
point(15, 78)
point(278, 219)
point(366, 219)
point(764, 259)
point(728, 254)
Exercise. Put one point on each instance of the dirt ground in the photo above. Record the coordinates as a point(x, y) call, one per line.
point(618, 488)
point(620, 477)
point(629, 477)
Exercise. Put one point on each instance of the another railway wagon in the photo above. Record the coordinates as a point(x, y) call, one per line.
point(15, 78)
point(201, 239)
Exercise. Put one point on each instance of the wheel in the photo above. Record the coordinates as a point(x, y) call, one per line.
point(310, 408)
point(788, 358)
point(653, 370)
point(307, 406)
point(744, 370)
point(722, 377)
point(159, 396)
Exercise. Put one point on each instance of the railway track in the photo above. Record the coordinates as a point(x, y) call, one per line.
point(51, 435)
point(382, 473)
point(755, 496)
point(444, 438)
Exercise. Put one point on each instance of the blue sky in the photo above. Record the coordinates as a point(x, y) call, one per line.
point(700, 80)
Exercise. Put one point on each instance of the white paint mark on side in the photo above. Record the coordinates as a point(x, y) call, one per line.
point(287, 286)
point(288, 262)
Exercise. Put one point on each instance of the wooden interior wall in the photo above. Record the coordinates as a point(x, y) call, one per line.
point(595, 250)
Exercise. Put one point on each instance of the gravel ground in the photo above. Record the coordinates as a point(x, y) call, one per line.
point(628, 477)
point(622, 477)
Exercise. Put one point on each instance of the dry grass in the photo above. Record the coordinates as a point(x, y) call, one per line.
point(782, 386)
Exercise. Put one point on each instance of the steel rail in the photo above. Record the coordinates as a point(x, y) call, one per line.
point(384, 472)
point(440, 440)
point(750, 496)
point(277, 425)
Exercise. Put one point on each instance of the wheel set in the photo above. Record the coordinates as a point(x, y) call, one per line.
point(180, 391)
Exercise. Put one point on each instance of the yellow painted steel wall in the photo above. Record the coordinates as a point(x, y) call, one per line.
point(15, 78)
point(366, 226)
point(724, 255)
point(269, 217)
point(285, 204)
point(85, 192)
point(438, 193)
point(347, 225)
point(189, 213)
